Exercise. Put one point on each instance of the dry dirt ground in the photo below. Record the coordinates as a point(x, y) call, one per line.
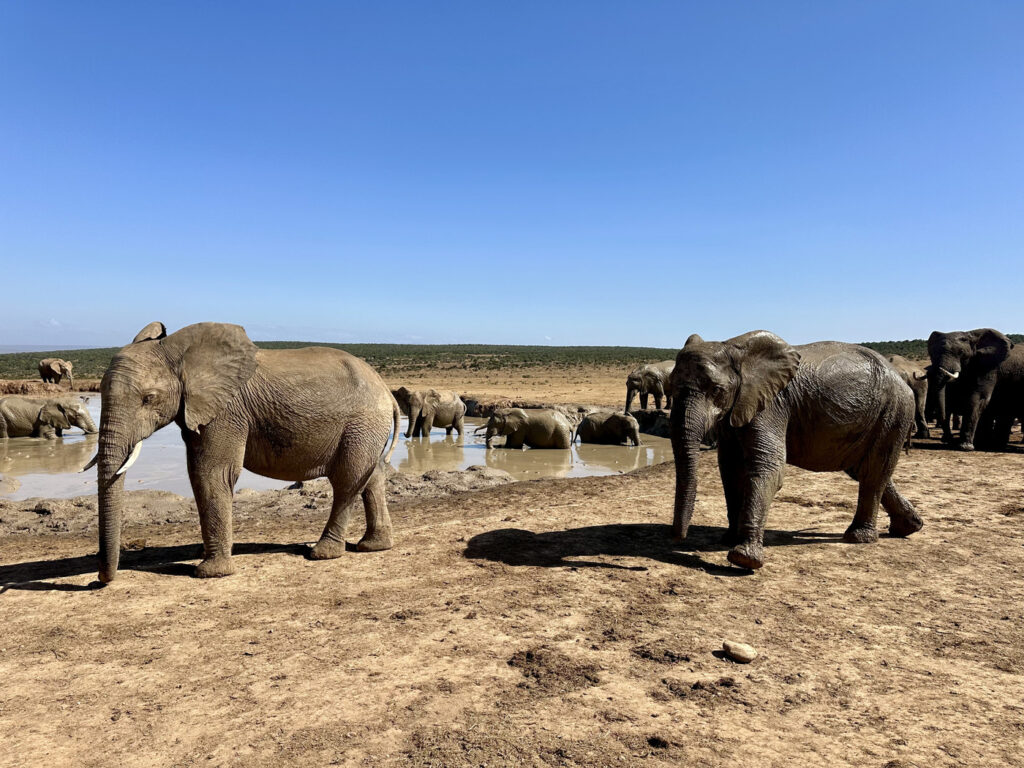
point(542, 623)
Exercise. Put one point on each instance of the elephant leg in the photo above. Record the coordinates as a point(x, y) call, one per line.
point(864, 528)
point(378, 519)
point(969, 425)
point(657, 401)
point(765, 465)
point(643, 401)
point(1001, 429)
point(903, 518)
point(921, 424)
point(458, 425)
point(730, 467)
point(346, 487)
point(213, 471)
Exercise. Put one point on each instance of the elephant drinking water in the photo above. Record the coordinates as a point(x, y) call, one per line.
point(533, 427)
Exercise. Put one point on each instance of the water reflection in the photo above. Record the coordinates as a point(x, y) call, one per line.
point(36, 467)
point(423, 454)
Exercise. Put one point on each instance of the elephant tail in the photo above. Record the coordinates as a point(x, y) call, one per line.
point(396, 415)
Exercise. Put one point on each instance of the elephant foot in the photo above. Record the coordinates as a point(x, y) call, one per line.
point(327, 549)
point(904, 526)
point(748, 555)
point(922, 434)
point(856, 534)
point(215, 567)
point(377, 542)
point(965, 447)
point(948, 438)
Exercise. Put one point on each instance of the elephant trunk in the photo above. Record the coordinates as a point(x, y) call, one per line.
point(630, 394)
point(689, 423)
point(414, 415)
point(491, 431)
point(117, 452)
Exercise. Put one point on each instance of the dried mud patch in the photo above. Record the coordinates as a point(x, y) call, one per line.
point(549, 671)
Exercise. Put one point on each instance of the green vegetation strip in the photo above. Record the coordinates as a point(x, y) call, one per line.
point(91, 363)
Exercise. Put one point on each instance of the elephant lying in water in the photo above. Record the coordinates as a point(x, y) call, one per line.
point(824, 407)
point(290, 414)
point(607, 428)
point(428, 408)
point(26, 417)
point(535, 428)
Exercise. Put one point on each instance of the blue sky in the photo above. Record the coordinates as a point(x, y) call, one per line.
point(530, 172)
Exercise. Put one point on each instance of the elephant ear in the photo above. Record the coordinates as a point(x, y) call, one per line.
point(54, 368)
point(217, 359)
point(694, 339)
point(54, 415)
point(991, 347)
point(766, 365)
point(155, 330)
point(935, 345)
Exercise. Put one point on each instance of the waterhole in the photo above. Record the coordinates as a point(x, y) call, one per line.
point(50, 468)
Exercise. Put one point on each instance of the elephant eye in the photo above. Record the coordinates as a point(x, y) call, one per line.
point(148, 399)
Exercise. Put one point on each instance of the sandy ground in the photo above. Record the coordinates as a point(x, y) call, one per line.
point(542, 623)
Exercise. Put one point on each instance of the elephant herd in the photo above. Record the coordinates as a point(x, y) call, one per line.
point(299, 414)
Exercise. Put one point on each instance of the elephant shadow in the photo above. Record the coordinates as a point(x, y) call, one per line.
point(558, 549)
point(35, 575)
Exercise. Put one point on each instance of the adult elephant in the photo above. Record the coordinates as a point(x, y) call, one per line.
point(290, 414)
point(52, 370)
point(972, 359)
point(428, 408)
point(1007, 403)
point(534, 427)
point(825, 407)
point(917, 379)
point(647, 380)
point(27, 417)
point(607, 428)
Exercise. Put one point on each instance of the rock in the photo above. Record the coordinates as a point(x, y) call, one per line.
point(740, 652)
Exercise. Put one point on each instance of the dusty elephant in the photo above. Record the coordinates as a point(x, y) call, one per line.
point(824, 407)
point(535, 428)
point(27, 417)
point(649, 380)
point(978, 361)
point(917, 379)
point(428, 408)
point(608, 428)
point(53, 369)
point(290, 414)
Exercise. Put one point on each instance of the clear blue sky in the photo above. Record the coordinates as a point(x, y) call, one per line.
point(529, 172)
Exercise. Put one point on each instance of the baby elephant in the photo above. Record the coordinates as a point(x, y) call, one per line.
point(25, 417)
point(536, 428)
point(428, 408)
point(608, 428)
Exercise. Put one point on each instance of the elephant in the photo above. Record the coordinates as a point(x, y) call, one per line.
point(917, 379)
point(608, 428)
point(52, 370)
point(428, 408)
point(1007, 403)
point(289, 414)
point(973, 359)
point(534, 427)
point(650, 379)
point(824, 407)
point(26, 417)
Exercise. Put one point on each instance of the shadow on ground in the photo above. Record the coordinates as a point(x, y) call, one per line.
point(515, 546)
point(167, 560)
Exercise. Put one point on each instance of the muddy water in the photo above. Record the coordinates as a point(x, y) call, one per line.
point(34, 467)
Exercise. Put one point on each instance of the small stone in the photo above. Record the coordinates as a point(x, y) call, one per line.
point(740, 652)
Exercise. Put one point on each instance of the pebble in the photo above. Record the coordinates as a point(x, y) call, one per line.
point(740, 652)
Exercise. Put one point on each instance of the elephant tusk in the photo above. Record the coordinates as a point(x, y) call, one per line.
point(951, 375)
point(919, 377)
point(92, 462)
point(131, 458)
